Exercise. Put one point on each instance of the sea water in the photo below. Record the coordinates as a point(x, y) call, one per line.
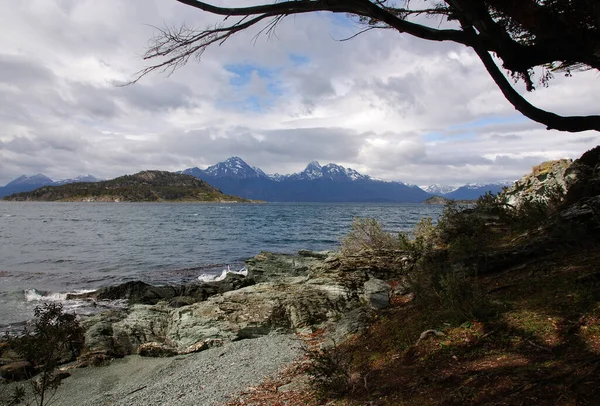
point(50, 249)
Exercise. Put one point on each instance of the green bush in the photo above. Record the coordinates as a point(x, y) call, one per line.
point(56, 337)
point(368, 234)
point(329, 371)
point(464, 232)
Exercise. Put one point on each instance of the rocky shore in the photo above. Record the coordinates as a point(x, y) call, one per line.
point(281, 294)
point(198, 333)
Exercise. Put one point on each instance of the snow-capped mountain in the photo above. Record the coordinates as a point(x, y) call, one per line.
point(28, 183)
point(77, 179)
point(437, 189)
point(330, 171)
point(234, 167)
point(39, 179)
point(316, 183)
point(24, 184)
point(472, 191)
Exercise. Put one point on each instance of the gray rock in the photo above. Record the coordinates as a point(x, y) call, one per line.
point(318, 295)
point(352, 323)
point(137, 292)
point(16, 371)
point(268, 266)
point(377, 293)
point(537, 186)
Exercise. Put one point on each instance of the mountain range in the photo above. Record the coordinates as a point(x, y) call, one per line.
point(316, 183)
point(28, 183)
point(329, 183)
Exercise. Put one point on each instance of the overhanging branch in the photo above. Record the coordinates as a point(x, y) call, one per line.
point(478, 30)
point(552, 121)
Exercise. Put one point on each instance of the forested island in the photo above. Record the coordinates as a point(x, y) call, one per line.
point(145, 186)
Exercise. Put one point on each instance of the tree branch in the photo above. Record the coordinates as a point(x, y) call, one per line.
point(552, 121)
point(480, 31)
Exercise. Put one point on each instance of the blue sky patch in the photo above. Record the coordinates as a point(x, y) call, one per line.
point(487, 121)
point(299, 60)
point(243, 72)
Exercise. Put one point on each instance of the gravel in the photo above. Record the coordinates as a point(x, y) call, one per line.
point(210, 377)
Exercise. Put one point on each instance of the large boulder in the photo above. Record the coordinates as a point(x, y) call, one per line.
point(377, 294)
point(583, 177)
point(138, 292)
point(268, 266)
point(544, 180)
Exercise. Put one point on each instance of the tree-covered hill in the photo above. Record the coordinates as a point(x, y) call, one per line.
point(146, 186)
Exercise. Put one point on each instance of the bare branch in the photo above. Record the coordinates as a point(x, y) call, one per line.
point(479, 30)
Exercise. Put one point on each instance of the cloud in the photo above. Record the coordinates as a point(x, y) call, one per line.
point(384, 103)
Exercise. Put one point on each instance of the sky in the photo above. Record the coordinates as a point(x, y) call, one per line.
point(384, 104)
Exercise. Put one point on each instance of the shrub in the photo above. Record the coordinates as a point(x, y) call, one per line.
point(368, 234)
point(329, 371)
point(463, 231)
point(56, 336)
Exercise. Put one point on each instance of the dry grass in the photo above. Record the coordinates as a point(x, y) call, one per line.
point(541, 346)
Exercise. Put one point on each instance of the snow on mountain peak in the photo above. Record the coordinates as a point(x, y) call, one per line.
point(30, 180)
point(437, 189)
point(234, 167)
point(313, 165)
point(313, 171)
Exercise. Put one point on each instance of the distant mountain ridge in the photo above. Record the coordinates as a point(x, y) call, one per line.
point(28, 183)
point(316, 183)
point(145, 186)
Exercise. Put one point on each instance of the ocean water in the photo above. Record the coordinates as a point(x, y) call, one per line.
point(50, 249)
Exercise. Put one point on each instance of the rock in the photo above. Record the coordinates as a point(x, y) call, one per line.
point(154, 349)
point(180, 301)
point(133, 292)
point(258, 310)
point(138, 292)
point(352, 323)
point(17, 371)
point(377, 293)
point(100, 343)
point(299, 383)
point(268, 267)
point(544, 180)
point(316, 296)
point(583, 177)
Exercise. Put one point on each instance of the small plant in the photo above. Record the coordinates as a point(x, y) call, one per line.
point(329, 371)
point(368, 234)
point(56, 336)
point(14, 398)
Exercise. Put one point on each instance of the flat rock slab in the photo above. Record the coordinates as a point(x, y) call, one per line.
point(207, 378)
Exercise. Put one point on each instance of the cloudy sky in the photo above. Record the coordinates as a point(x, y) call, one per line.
point(384, 104)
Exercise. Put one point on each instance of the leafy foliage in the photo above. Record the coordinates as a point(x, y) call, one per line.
point(329, 371)
point(368, 234)
point(56, 336)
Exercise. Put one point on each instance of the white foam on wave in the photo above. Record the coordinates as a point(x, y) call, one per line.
point(215, 278)
point(79, 306)
point(32, 295)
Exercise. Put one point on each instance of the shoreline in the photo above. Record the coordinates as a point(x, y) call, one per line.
point(210, 377)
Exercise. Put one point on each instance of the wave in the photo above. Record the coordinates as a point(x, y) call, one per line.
point(33, 295)
point(215, 278)
point(82, 307)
